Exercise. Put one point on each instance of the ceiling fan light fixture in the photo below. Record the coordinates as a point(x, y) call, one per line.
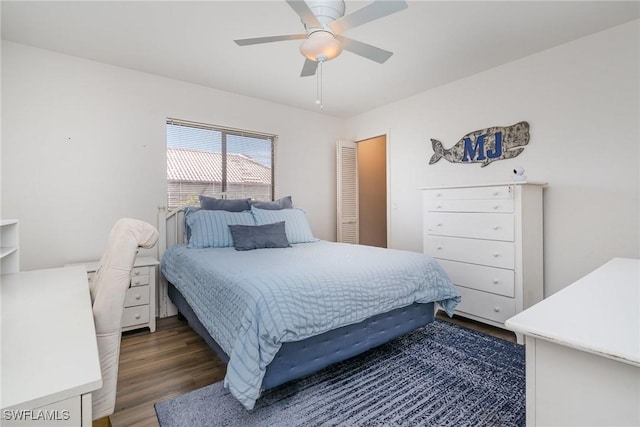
point(321, 44)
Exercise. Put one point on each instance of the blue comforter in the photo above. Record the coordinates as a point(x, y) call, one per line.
point(253, 301)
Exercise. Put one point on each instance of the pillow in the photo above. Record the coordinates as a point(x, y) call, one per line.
point(283, 203)
point(248, 237)
point(295, 223)
point(231, 205)
point(188, 211)
point(210, 229)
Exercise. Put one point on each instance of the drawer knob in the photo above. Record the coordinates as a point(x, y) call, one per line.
point(496, 281)
point(136, 282)
point(439, 225)
point(137, 315)
point(496, 255)
point(438, 247)
point(438, 194)
point(496, 207)
point(496, 227)
point(137, 273)
point(137, 297)
point(496, 193)
point(496, 309)
point(439, 207)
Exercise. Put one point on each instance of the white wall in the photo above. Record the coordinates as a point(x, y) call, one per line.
point(84, 143)
point(581, 100)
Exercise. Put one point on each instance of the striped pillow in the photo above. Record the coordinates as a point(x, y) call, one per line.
point(210, 229)
point(295, 223)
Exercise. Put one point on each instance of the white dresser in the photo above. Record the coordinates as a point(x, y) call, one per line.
point(488, 238)
point(583, 350)
point(140, 300)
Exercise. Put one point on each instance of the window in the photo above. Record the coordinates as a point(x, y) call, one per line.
point(219, 162)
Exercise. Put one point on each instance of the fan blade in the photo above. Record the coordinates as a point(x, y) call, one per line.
point(303, 11)
point(309, 68)
point(368, 13)
point(365, 50)
point(258, 40)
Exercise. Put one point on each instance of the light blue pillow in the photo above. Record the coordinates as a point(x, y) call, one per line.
point(295, 223)
point(210, 229)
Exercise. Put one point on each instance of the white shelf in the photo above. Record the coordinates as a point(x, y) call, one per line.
point(9, 253)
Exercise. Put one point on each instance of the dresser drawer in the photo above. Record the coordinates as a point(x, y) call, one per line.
point(494, 192)
point(137, 295)
point(488, 279)
point(488, 306)
point(463, 205)
point(484, 252)
point(135, 315)
point(63, 413)
point(471, 225)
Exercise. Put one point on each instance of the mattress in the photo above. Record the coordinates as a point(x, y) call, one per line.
point(252, 302)
point(298, 359)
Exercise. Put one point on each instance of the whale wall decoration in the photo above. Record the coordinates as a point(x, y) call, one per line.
point(485, 146)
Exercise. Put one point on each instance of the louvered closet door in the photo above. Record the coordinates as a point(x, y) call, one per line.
point(347, 192)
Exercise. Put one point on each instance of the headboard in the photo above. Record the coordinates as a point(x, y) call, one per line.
point(171, 232)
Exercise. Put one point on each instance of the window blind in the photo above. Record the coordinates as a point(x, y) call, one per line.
point(217, 161)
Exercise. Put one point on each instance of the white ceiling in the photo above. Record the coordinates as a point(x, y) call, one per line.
point(434, 42)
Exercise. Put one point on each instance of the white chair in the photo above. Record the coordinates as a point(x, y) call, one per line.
point(107, 295)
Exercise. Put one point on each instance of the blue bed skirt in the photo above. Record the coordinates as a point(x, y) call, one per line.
point(301, 358)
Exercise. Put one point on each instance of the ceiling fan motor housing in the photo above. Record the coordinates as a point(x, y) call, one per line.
point(326, 11)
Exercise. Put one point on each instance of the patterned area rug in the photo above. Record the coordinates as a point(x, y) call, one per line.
point(439, 375)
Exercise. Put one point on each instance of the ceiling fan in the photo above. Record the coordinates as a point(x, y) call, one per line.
point(324, 22)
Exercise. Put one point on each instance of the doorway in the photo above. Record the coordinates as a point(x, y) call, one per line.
point(372, 191)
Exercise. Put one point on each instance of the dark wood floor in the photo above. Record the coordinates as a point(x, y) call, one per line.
point(158, 366)
point(174, 360)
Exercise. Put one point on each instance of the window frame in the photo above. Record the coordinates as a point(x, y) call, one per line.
point(224, 131)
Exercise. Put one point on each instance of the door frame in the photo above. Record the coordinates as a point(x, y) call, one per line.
point(387, 134)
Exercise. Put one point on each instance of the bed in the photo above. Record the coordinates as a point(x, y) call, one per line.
point(282, 312)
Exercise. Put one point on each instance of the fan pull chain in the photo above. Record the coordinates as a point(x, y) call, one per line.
point(319, 84)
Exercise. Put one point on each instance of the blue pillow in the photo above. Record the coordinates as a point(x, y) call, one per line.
point(248, 237)
point(231, 205)
point(188, 211)
point(210, 229)
point(295, 223)
point(282, 203)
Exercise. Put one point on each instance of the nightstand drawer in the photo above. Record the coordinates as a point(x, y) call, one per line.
point(135, 315)
point(140, 271)
point(488, 279)
point(471, 225)
point(137, 295)
point(137, 273)
point(488, 306)
point(139, 280)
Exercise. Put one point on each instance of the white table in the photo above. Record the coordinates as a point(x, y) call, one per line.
point(583, 350)
point(50, 363)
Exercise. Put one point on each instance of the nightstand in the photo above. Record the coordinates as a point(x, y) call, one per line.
point(140, 301)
